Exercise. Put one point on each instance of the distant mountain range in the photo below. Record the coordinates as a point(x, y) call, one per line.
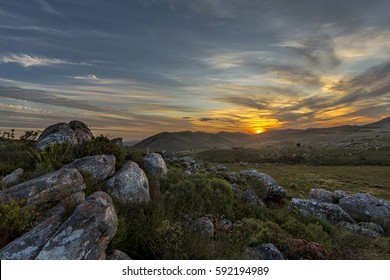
point(188, 140)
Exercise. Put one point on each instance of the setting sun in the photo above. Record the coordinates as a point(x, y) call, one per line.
point(260, 130)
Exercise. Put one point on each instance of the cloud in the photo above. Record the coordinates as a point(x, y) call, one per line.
point(207, 119)
point(295, 76)
point(26, 60)
point(317, 47)
point(90, 77)
point(48, 8)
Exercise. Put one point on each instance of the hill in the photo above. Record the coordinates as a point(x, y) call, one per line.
point(187, 140)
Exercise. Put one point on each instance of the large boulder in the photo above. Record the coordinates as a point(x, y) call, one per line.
point(326, 211)
point(270, 190)
point(365, 207)
point(154, 166)
point(203, 227)
point(28, 246)
point(266, 251)
point(86, 233)
point(47, 189)
point(100, 167)
point(129, 185)
point(81, 130)
point(11, 178)
point(321, 195)
point(73, 133)
point(250, 197)
point(56, 134)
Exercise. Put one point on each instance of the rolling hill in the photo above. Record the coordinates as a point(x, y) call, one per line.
point(188, 140)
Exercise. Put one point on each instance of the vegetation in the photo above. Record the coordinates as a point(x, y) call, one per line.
point(165, 228)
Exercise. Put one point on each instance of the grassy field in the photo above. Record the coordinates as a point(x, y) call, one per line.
point(299, 179)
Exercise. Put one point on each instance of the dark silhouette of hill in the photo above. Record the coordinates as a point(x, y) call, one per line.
point(188, 140)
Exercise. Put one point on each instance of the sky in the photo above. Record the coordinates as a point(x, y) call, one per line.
point(134, 68)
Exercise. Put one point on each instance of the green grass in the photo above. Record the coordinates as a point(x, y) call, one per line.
point(299, 179)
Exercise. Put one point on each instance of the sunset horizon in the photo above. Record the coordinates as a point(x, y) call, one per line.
point(135, 69)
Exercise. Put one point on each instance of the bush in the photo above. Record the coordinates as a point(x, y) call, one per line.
point(14, 220)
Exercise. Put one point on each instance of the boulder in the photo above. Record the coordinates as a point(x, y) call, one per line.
point(232, 177)
point(366, 208)
point(86, 233)
point(81, 130)
point(117, 255)
point(338, 195)
point(361, 229)
point(250, 197)
point(271, 192)
point(47, 189)
point(100, 167)
point(129, 185)
point(265, 251)
point(226, 225)
point(28, 246)
point(56, 134)
point(154, 166)
point(73, 133)
point(204, 227)
point(236, 190)
point(326, 211)
point(11, 178)
point(321, 195)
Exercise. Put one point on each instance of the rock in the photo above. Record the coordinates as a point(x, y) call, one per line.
point(362, 230)
point(326, 211)
point(73, 133)
point(255, 180)
point(338, 195)
point(56, 134)
point(100, 167)
point(204, 227)
point(268, 187)
point(86, 233)
point(311, 250)
point(129, 185)
point(81, 130)
point(187, 161)
point(12, 177)
point(117, 256)
point(250, 197)
point(236, 190)
point(217, 168)
point(226, 225)
point(366, 208)
point(154, 166)
point(187, 172)
point(321, 195)
point(47, 189)
point(117, 141)
point(232, 177)
point(28, 246)
point(266, 251)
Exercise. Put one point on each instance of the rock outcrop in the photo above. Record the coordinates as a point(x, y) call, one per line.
point(81, 131)
point(86, 233)
point(326, 211)
point(73, 133)
point(12, 177)
point(154, 166)
point(321, 195)
point(366, 207)
point(100, 167)
point(204, 227)
point(47, 189)
point(250, 197)
point(266, 251)
point(28, 246)
point(129, 185)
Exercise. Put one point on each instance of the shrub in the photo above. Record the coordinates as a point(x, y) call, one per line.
point(14, 220)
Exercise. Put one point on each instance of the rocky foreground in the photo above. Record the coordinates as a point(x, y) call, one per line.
point(78, 227)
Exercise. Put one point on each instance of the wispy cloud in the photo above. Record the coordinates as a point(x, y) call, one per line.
point(48, 8)
point(90, 77)
point(26, 60)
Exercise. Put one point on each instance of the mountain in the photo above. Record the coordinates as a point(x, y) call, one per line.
point(188, 140)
